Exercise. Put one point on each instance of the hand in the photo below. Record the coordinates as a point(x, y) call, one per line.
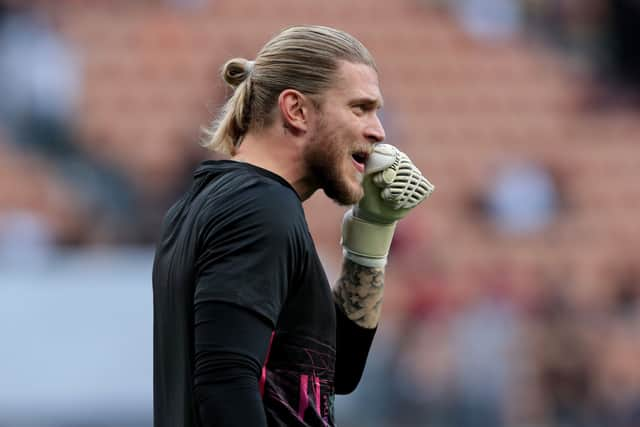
point(392, 187)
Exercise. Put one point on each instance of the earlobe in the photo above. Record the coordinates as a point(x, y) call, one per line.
point(293, 110)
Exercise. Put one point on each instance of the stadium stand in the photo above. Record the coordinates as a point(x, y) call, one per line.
point(462, 106)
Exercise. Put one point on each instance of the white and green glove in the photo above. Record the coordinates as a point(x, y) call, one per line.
point(392, 187)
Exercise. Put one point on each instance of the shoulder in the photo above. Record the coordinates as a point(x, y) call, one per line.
point(264, 192)
point(245, 195)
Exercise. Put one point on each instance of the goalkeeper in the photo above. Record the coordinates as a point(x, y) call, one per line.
point(247, 331)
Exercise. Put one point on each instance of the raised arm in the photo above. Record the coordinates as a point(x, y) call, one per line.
point(359, 291)
point(392, 187)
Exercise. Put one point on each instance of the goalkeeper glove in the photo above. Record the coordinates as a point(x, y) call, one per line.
point(392, 187)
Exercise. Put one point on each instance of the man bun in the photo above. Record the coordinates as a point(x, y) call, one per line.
point(236, 71)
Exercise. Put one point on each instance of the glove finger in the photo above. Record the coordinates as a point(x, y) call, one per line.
point(409, 187)
point(385, 177)
point(383, 156)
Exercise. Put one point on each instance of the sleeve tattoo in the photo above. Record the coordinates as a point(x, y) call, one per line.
point(359, 292)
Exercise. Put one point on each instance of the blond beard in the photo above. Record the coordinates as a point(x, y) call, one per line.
point(325, 158)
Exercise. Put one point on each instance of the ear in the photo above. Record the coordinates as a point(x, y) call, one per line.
point(295, 110)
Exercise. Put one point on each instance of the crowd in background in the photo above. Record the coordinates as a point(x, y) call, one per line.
point(467, 340)
point(491, 355)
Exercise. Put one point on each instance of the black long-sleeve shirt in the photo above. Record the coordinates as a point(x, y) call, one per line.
point(245, 328)
point(228, 367)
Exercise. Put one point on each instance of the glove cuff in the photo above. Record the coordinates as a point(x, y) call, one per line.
point(365, 261)
point(366, 243)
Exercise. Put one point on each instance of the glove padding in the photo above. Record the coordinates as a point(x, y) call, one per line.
point(392, 187)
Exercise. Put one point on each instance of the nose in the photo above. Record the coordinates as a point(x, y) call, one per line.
point(375, 131)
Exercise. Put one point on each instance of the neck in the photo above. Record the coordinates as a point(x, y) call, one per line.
point(280, 154)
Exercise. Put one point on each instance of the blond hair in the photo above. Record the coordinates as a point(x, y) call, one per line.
point(304, 58)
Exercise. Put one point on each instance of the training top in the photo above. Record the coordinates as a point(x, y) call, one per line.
point(237, 246)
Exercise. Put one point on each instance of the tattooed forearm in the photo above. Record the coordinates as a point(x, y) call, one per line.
point(359, 292)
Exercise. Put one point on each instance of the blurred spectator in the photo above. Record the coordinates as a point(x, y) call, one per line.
point(576, 27)
point(602, 35)
point(626, 292)
point(40, 83)
point(564, 362)
point(483, 335)
point(39, 80)
point(421, 374)
point(624, 33)
point(617, 379)
point(522, 197)
point(452, 361)
point(489, 19)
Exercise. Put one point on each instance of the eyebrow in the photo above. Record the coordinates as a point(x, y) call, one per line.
point(376, 103)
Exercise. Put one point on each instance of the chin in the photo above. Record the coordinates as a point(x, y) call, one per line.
point(342, 184)
point(346, 193)
point(344, 201)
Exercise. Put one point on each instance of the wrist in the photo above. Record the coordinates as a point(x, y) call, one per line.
point(366, 243)
point(365, 261)
point(371, 217)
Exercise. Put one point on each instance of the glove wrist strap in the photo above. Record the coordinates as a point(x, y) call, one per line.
point(365, 261)
point(366, 240)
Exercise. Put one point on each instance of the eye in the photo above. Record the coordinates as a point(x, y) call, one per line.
point(359, 109)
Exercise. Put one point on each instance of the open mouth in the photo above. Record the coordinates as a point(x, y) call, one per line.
point(360, 160)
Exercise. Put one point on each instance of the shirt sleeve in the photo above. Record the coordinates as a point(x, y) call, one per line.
point(228, 365)
point(352, 349)
point(248, 250)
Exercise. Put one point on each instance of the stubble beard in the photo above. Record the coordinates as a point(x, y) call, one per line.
point(326, 159)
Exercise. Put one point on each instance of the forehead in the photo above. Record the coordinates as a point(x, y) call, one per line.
point(356, 81)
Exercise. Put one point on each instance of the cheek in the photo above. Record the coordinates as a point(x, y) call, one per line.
point(341, 153)
point(343, 140)
point(334, 145)
point(335, 142)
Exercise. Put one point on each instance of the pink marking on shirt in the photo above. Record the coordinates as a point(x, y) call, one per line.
point(317, 393)
point(304, 396)
point(263, 376)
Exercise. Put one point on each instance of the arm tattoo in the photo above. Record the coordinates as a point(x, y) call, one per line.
point(359, 291)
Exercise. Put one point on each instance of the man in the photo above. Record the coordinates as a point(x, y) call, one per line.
point(247, 331)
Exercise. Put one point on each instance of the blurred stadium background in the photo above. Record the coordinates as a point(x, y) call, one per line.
point(513, 295)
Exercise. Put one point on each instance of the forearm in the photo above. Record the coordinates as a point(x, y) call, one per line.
point(227, 395)
point(359, 293)
point(228, 365)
